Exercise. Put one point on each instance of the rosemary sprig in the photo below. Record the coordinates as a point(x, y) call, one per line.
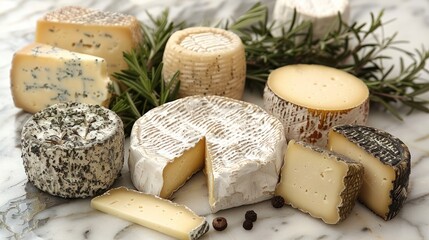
point(146, 88)
point(355, 48)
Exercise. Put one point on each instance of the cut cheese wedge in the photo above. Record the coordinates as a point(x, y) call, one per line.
point(43, 75)
point(103, 34)
point(386, 160)
point(239, 144)
point(310, 99)
point(319, 182)
point(323, 14)
point(210, 61)
point(152, 212)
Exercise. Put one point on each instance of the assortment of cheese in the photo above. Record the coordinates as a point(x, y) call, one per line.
point(73, 147)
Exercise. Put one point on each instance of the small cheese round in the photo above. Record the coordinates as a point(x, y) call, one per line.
point(210, 61)
point(310, 99)
point(323, 14)
point(73, 150)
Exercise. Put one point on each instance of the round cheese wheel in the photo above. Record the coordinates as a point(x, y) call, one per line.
point(73, 150)
point(210, 61)
point(323, 14)
point(310, 99)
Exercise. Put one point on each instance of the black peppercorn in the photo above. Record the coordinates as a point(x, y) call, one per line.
point(277, 201)
point(247, 224)
point(251, 216)
point(219, 223)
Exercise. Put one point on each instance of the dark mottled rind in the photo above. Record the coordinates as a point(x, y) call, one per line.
point(391, 151)
point(73, 150)
point(352, 181)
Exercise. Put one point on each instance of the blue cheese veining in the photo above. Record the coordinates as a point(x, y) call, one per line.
point(386, 160)
point(73, 149)
point(43, 75)
point(89, 31)
point(239, 144)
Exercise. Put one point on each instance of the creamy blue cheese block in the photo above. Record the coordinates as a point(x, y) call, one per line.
point(43, 75)
point(386, 160)
point(73, 150)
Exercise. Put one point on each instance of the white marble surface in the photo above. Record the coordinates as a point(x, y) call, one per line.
point(25, 213)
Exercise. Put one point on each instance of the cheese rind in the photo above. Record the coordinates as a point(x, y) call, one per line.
point(43, 75)
point(319, 182)
point(310, 99)
point(152, 212)
point(386, 160)
point(211, 62)
point(323, 14)
point(73, 150)
point(243, 148)
point(103, 34)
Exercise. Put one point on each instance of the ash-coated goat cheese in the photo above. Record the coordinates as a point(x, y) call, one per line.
point(310, 99)
point(386, 160)
point(210, 61)
point(152, 212)
point(73, 150)
point(43, 75)
point(319, 182)
point(99, 33)
point(239, 144)
point(323, 14)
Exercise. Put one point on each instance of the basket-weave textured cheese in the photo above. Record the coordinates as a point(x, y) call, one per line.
point(211, 61)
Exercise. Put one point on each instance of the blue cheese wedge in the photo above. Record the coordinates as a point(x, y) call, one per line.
point(386, 160)
point(43, 75)
point(319, 182)
point(73, 150)
point(210, 61)
point(152, 212)
point(239, 144)
point(99, 33)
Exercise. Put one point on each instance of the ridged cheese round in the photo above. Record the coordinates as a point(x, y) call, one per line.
point(239, 143)
point(310, 99)
point(211, 61)
point(73, 150)
point(323, 14)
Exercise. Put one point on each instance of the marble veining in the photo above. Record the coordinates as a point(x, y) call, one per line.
point(27, 213)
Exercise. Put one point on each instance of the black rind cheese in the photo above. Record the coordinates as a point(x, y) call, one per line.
point(390, 151)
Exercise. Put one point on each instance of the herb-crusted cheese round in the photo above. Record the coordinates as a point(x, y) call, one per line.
point(386, 160)
point(210, 61)
point(323, 14)
point(310, 99)
point(73, 150)
point(239, 144)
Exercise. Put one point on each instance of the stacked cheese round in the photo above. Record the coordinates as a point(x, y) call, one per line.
point(310, 99)
point(210, 61)
point(239, 144)
point(73, 150)
point(323, 14)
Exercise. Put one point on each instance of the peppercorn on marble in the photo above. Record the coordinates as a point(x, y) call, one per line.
point(27, 213)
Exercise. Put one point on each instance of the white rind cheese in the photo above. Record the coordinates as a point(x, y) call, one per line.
point(386, 160)
point(210, 61)
point(323, 14)
point(43, 75)
point(103, 34)
point(310, 99)
point(73, 150)
point(319, 182)
point(242, 145)
point(152, 212)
